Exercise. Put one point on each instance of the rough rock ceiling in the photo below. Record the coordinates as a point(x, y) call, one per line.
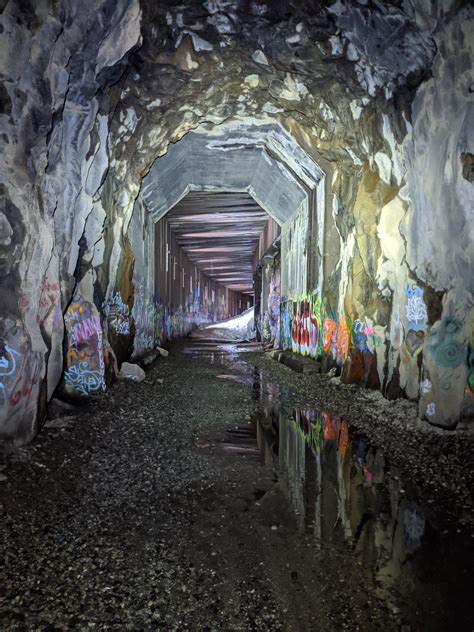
point(219, 233)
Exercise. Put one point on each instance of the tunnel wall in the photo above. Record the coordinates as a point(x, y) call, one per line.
point(394, 310)
point(388, 264)
point(171, 296)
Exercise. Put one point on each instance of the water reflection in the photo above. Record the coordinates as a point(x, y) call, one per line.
point(340, 490)
point(345, 495)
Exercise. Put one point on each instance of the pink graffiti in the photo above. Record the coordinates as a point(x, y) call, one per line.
point(86, 329)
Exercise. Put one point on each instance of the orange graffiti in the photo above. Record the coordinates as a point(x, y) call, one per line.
point(343, 336)
point(329, 327)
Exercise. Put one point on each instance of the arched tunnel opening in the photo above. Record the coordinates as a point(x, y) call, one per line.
point(236, 321)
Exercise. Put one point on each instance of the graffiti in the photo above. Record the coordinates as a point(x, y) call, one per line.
point(444, 346)
point(143, 314)
point(80, 378)
point(415, 309)
point(305, 331)
point(426, 386)
point(30, 379)
point(343, 337)
point(305, 325)
point(84, 367)
point(285, 320)
point(86, 329)
point(8, 360)
point(117, 313)
point(374, 337)
point(328, 334)
point(431, 409)
point(359, 336)
point(412, 346)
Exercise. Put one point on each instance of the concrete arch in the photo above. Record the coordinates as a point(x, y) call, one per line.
point(263, 160)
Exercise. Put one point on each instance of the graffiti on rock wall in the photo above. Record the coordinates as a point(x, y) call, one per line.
point(49, 301)
point(285, 324)
point(359, 336)
point(82, 379)
point(329, 334)
point(20, 373)
point(84, 370)
point(118, 314)
point(343, 338)
point(412, 346)
point(143, 314)
point(415, 309)
point(412, 340)
point(444, 345)
point(8, 367)
point(306, 331)
point(304, 328)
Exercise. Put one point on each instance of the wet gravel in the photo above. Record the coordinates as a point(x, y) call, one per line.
point(129, 514)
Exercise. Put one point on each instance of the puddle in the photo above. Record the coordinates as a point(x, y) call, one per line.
point(345, 495)
point(232, 378)
point(348, 497)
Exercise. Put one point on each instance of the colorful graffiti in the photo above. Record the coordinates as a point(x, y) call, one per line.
point(84, 370)
point(301, 325)
point(329, 334)
point(343, 339)
point(304, 330)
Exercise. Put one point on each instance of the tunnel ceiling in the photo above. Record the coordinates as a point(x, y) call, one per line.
point(261, 159)
point(219, 233)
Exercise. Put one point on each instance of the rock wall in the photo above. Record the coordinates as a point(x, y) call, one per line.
point(55, 64)
point(378, 96)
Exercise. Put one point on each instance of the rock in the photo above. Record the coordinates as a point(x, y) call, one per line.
point(162, 352)
point(131, 372)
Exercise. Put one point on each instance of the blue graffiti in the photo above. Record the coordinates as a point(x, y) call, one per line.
point(7, 369)
point(7, 360)
point(359, 335)
point(415, 309)
point(83, 380)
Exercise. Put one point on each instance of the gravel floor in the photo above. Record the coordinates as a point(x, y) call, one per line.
point(130, 514)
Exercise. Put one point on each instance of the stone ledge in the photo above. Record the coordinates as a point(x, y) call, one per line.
point(298, 363)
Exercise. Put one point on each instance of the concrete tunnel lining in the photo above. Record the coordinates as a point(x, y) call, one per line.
point(262, 160)
point(276, 180)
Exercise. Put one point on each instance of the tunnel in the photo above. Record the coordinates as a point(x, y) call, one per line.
point(236, 318)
